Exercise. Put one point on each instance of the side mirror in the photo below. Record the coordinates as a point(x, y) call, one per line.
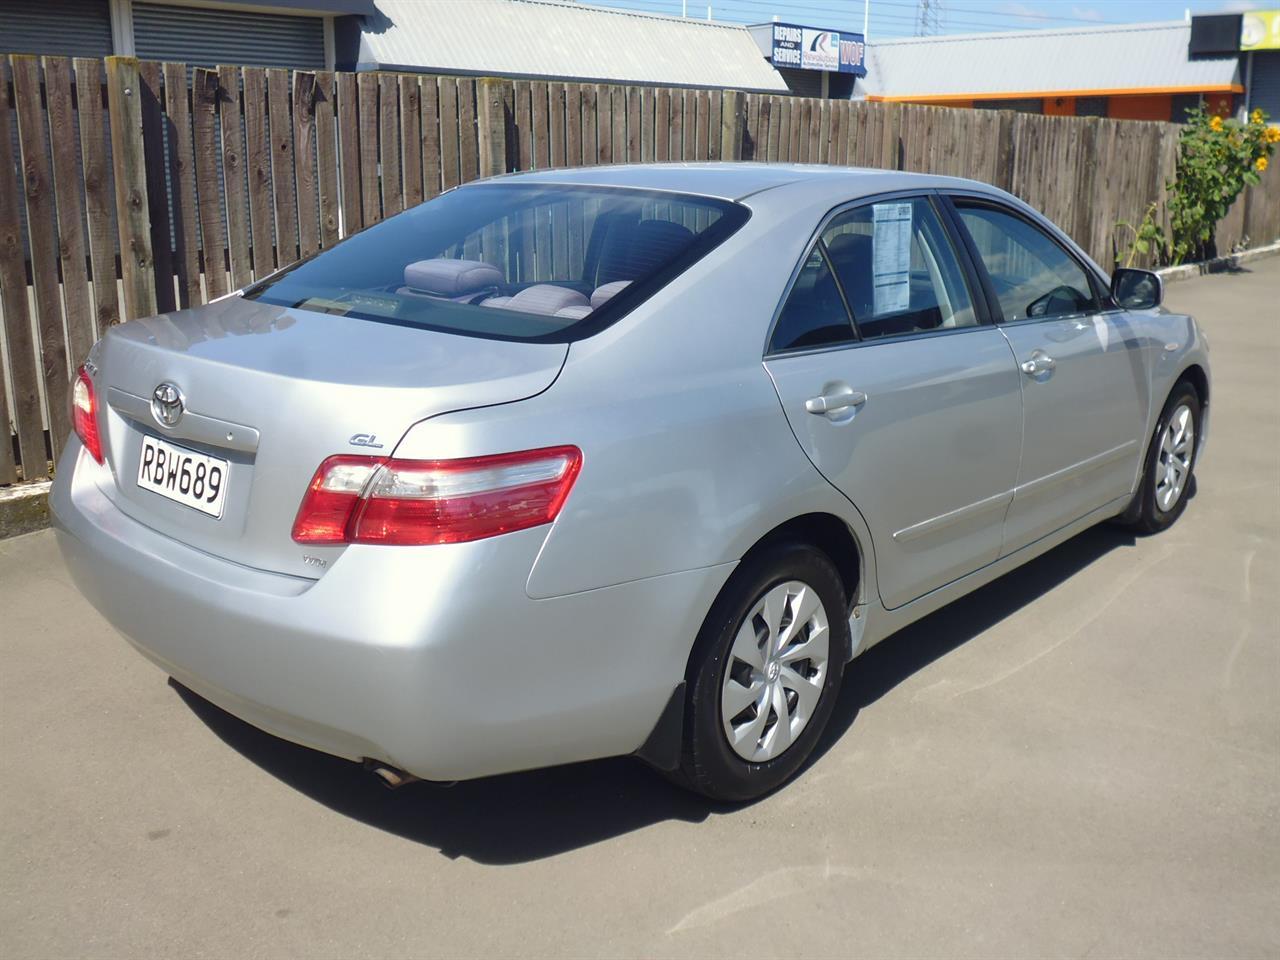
point(1137, 289)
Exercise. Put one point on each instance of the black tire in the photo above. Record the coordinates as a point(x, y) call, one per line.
point(1145, 514)
point(708, 764)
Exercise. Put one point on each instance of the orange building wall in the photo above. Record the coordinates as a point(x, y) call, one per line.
point(1219, 104)
point(1120, 106)
point(1145, 107)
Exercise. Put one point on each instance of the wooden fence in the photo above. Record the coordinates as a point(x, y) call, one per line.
point(130, 187)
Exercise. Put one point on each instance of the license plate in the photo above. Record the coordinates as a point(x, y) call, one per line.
point(183, 475)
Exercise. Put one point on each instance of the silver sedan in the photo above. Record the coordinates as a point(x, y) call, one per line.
point(629, 460)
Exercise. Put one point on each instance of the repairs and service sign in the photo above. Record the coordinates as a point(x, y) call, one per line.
point(807, 48)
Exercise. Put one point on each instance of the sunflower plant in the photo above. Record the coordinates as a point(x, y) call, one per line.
point(1217, 159)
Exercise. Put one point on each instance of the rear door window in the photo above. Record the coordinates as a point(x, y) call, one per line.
point(898, 270)
point(520, 261)
point(814, 314)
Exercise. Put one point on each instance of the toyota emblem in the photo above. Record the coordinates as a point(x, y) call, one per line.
point(167, 405)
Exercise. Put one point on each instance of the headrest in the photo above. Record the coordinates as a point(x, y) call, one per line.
point(444, 277)
point(636, 252)
point(576, 312)
point(844, 246)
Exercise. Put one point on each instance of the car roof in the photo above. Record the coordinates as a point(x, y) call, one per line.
point(736, 181)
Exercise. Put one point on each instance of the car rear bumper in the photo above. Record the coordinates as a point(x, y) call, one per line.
point(433, 659)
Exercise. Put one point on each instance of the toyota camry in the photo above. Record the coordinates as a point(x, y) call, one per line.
point(623, 461)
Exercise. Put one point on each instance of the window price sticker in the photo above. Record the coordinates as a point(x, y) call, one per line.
point(891, 257)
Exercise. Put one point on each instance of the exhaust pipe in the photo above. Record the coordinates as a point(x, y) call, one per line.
point(391, 777)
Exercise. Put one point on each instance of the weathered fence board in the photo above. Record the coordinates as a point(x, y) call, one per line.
point(182, 181)
point(556, 123)
point(327, 157)
point(468, 154)
point(305, 97)
point(283, 163)
point(449, 173)
point(349, 146)
point(99, 206)
point(25, 406)
point(258, 168)
point(604, 124)
point(151, 95)
point(66, 186)
point(430, 137)
point(573, 125)
point(389, 144)
point(492, 129)
point(633, 124)
point(37, 177)
point(235, 180)
point(539, 127)
point(411, 139)
point(206, 93)
point(367, 139)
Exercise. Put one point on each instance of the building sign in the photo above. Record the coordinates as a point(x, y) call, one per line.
point(1259, 30)
point(804, 48)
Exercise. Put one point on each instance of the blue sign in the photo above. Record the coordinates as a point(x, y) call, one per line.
point(804, 48)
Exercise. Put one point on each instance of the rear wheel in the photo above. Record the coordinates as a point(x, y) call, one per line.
point(765, 675)
point(1167, 475)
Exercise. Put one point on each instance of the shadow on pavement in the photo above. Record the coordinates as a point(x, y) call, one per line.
point(527, 816)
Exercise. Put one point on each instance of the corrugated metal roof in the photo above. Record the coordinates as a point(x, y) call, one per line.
point(1130, 57)
point(544, 38)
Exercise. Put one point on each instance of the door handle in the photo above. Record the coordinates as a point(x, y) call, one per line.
point(1039, 363)
point(834, 400)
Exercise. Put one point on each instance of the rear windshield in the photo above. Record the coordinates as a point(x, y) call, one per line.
point(511, 261)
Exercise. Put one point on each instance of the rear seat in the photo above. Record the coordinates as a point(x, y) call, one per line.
point(544, 298)
point(552, 300)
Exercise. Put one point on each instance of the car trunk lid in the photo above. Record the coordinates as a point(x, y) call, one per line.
point(274, 391)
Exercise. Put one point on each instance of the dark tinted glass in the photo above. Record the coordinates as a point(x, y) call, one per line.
point(814, 315)
point(510, 260)
point(1033, 276)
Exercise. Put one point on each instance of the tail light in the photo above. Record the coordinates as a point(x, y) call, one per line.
point(84, 413)
point(378, 500)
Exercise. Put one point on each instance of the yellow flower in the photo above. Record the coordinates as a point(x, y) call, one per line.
point(1273, 134)
point(1256, 116)
point(1261, 164)
point(1215, 124)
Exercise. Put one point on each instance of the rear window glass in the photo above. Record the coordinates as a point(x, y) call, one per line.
point(511, 261)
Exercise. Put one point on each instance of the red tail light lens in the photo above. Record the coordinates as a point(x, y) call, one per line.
point(331, 499)
point(84, 413)
point(374, 500)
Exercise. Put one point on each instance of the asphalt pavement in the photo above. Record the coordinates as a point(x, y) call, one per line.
point(1081, 759)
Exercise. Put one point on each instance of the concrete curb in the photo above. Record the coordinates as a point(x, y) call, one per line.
point(24, 508)
point(1218, 264)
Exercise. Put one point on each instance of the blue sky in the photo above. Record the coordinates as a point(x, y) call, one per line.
point(897, 18)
